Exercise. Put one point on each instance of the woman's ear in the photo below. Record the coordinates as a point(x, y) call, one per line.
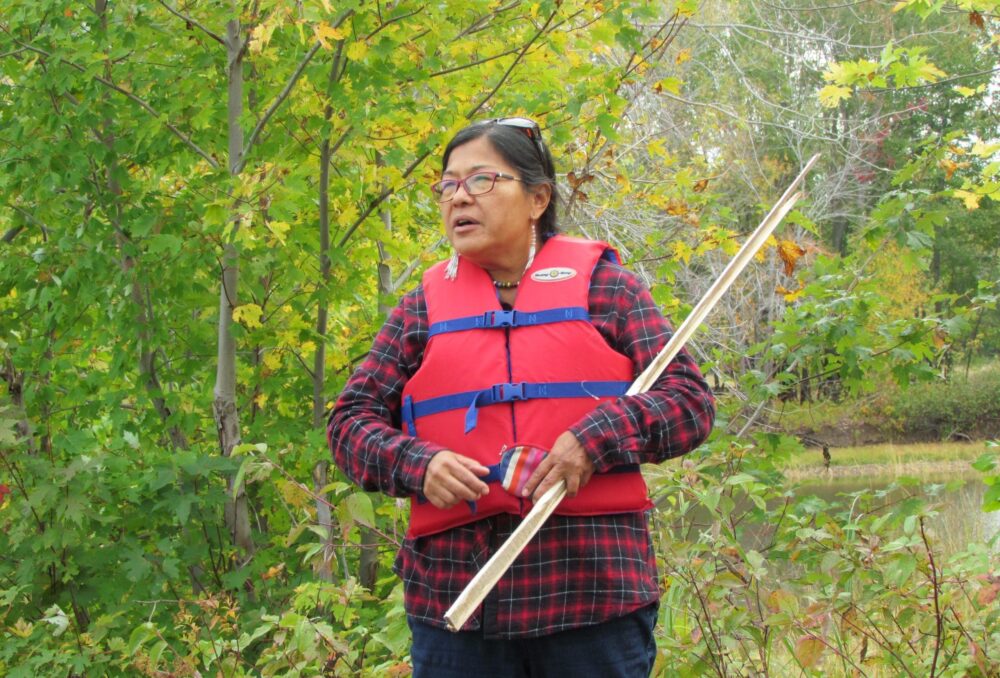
point(540, 197)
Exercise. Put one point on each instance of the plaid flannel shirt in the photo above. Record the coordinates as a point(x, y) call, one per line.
point(577, 571)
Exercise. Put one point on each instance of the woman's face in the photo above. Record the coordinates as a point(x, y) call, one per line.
point(493, 230)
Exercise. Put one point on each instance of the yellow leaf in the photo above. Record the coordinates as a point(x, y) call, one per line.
point(671, 84)
point(931, 73)
point(682, 56)
point(949, 166)
point(22, 629)
point(272, 360)
point(357, 51)
point(325, 31)
point(261, 400)
point(347, 215)
point(970, 199)
point(273, 571)
point(260, 36)
point(248, 314)
point(835, 72)
point(279, 229)
point(831, 95)
point(984, 150)
point(789, 295)
point(808, 650)
point(790, 252)
point(677, 208)
point(656, 149)
point(682, 251)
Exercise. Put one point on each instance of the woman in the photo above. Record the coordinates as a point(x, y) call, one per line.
point(523, 340)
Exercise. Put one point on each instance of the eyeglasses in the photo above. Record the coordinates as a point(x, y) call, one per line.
point(529, 127)
point(475, 184)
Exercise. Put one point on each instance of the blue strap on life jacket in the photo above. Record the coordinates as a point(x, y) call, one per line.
point(513, 318)
point(412, 410)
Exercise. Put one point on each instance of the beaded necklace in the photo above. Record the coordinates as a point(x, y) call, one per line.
point(500, 285)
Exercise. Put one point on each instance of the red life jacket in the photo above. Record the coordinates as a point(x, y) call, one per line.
point(490, 378)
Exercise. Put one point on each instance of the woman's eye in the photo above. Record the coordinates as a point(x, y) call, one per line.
point(480, 181)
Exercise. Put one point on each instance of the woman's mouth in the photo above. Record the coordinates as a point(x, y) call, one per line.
point(463, 224)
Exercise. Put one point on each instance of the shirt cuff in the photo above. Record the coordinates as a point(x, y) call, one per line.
point(413, 465)
point(608, 438)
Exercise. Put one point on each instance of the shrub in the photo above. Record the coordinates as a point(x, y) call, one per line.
point(963, 407)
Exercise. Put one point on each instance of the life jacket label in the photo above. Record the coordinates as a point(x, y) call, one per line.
point(553, 274)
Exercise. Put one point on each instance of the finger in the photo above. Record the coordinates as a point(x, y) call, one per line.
point(470, 482)
point(547, 483)
point(441, 498)
point(572, 484)
point(537, 476)
point(472, 465)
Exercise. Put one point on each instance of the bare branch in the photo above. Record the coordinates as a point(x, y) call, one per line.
point(193, 22)
point(241, 163)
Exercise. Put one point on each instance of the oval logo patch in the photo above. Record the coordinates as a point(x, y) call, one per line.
point(554, 274)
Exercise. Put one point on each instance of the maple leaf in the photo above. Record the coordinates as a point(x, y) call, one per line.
point(970, 199)
point(831, 95)
point(790, 252)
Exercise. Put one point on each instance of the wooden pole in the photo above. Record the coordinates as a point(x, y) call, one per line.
point(484, 581)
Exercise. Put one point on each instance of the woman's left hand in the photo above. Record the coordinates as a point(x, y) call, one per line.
point(567, 460)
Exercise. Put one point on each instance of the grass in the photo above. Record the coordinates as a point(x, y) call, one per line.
point(887, 458)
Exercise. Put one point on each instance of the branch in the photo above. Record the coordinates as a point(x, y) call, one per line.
point(142, 103)
point(954, 78)
point(241, 163)
point(9, 236)
point(378, 201)
point(244, 156)
point(193, 22)
point(517, 60)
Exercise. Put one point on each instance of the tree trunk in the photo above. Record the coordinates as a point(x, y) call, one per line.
point(321, 470)
point(227, 419)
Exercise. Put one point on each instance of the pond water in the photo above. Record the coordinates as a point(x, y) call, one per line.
point(957, 499)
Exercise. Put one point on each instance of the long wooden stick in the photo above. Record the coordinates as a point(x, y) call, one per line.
point(496, 566)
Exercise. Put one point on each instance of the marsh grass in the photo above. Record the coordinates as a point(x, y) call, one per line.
point(887, 459)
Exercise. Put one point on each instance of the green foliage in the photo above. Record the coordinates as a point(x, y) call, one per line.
point(962, 407)
point(761, 580)
point(127, 181)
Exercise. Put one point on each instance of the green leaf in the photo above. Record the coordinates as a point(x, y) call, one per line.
point(360, 509)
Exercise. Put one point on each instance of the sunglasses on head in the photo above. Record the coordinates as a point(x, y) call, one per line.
point(526, 125)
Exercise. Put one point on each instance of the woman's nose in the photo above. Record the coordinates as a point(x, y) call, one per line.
point(461, 194)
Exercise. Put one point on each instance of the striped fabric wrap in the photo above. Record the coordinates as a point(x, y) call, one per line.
point(517, 463)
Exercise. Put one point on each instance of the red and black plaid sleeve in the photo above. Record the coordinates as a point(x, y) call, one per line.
point(675, 415)
point(364, 426)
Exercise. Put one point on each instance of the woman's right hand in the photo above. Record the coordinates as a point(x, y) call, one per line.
point(451, 478)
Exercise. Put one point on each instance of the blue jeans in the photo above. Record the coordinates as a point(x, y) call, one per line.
point(620, 648)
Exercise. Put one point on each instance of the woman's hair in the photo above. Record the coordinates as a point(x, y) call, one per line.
point(532, 161)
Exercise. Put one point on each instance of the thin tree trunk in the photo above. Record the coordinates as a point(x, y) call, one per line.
point(227, 419)
point(321, 470)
